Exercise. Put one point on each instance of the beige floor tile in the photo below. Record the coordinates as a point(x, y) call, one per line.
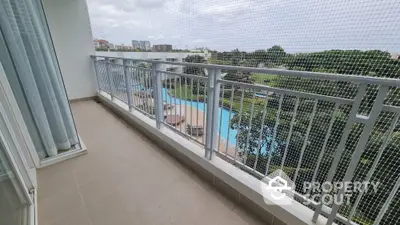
point(53, 207)
point(55, 178)
point(127, 179)
point(116, 209)
point(77, 217)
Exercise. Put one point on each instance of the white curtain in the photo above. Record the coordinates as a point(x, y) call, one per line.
point(36, 80)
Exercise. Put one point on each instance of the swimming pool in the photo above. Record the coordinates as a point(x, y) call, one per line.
point(225, 119)
point(203, 106)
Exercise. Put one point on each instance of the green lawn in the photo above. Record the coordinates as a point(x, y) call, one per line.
point(259, 78)
point(180, 92)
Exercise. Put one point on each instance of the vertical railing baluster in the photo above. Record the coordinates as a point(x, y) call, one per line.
point(292, 122)
point(186, 113)
point(369, 125)
point(326, 139)
point(176, 121)
point(229, 123)
point(137, 87)
point(149, 99)
point(140, 88)
point(204, 111)
point(220, 117)
point(170, 93)
point(303, 148)
point(389, 199)
point(271, 147)
point(109, 76)
point(191, 104)
point(239, 124)
point(341, 146)
point(180, 104)
point(261, 132)
point(158, 95)
point(371, 171)
point(128, 85)
point(134, 88)
point(144, 94)
point(197, 107)
point(246, 151)
point(96, 72)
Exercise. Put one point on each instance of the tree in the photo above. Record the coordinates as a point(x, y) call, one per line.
point(352, 62)
point(197, 83)
point(194, 70)
point(239, 76)
point(275, 55)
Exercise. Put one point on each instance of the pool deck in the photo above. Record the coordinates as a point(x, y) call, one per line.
point(196, 117)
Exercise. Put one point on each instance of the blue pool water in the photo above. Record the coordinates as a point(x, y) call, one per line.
point(225, 119)
point(203, 106)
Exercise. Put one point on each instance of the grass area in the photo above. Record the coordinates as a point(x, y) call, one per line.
point(180, 92)
point(260, 78)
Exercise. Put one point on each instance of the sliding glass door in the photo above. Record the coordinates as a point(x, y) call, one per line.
point(15, 200)
point(17, 169)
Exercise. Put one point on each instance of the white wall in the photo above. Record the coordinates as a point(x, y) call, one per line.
point(72, 36)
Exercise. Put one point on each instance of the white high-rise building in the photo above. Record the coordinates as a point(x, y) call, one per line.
point(147, 45)
point(135, 44)
point(142, 45)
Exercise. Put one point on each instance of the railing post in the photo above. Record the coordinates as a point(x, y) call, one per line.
point(352, 116)
point(356, 156)
point(157, 93)
point(110, 81)
point(213, 88)
point(128, 85)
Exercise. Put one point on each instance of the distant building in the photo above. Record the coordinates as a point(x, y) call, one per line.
point(123, 47)
point(162, 48)
point(110, 45)
point(142, 45)
point(96, 43)
point(146, 45)
point(100, 43)
point(135, 44)
point(395, 56)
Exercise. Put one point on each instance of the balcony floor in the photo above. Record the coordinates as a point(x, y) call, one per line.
point(126, 179)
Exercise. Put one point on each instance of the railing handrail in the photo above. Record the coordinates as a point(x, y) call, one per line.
point(392, 82)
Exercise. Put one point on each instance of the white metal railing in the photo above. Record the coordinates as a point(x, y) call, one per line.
point(316, 127)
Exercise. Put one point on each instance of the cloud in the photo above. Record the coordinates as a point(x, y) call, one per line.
point(297, 25)
point(157, 37)
point(199, 40)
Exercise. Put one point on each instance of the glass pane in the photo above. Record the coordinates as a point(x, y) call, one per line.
point(13, 204)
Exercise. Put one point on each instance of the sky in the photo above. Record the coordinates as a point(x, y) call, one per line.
point(224, 25)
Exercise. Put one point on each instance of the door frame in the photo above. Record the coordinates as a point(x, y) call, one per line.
point(16, 141)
